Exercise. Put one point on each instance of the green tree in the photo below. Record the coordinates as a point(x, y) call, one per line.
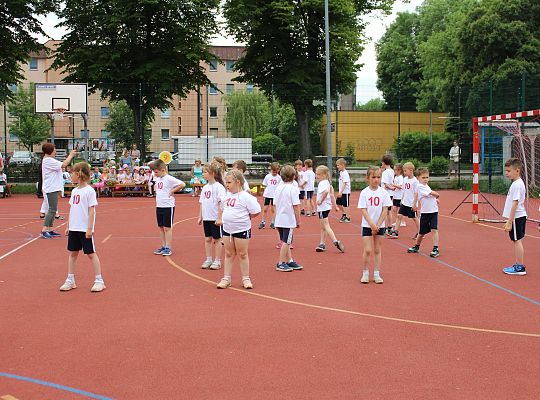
point(140, 51)
point(285, 50)
point(122, 126)
point(245, 113)
point(18, 27)
point(29, 127)
point(372, 105)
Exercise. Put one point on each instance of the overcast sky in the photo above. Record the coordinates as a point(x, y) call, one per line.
point(367, 77)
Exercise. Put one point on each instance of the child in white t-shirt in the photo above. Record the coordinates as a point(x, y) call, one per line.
point(344, 193)
point(242, 167)
point(3, 181)
point(237, 210)
point(298, 165)
point(407, 206)
point(165, 186)
point(514, 211)
point(212, 195)
point(309, 187)
point(270, 183)
point(387, 182)
point(428, 203)
point(373, 203)
point(287, 202)
point(325, 201)
point(80, 227)
point(397, 185)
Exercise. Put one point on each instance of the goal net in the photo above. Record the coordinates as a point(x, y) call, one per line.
point(497, 138)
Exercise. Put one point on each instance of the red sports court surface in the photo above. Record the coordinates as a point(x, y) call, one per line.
point(454, 327)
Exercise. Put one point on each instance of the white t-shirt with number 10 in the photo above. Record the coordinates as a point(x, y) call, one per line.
point(212, 195)
point(271, 182)
point(81, 200)
point(237, 208)
point(374, 201)
point(162, 188)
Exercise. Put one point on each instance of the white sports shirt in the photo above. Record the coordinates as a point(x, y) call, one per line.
point(51, 170)
point(285, 198)
point(374, 201)
point(428, 203)
point(211, 197)
point(270, 183)
point(237, 208)
point(309, 176)
point(398, 193)
point(410, 186)
point(516, 192)
point(388, 178)
point(345, 179)
point(162, 188)
point(81, 200)
point(327, 202)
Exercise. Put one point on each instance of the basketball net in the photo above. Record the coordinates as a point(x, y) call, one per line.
point(58, 114)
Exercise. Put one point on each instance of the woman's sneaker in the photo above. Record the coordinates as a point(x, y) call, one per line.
point(224, 283)
point(320, 248)
point(283, 267)
point(68, 285)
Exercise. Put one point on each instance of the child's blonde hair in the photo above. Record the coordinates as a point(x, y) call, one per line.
point(215, 170)
point(371, 169)
point(323, 170)
point(341, 161)
point(241, 165)
point(422, 170)
point(409, 165)
point(237, 175)
point(274, 167)
point(83, 169)
point(288, 173)
point(222, 163)
point(157, 165)
point(298, 162)
point(399, 167)
point(308, 163)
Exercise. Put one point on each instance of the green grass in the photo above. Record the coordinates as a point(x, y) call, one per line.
point(24, 188)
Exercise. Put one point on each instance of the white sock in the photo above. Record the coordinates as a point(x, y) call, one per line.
point(218, 260)
point(99, 278)
point(209, 259)
point(245, 277)
point(71, 277)
point(228, 277)
point(291, 260)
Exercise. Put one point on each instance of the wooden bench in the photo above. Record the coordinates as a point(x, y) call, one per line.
point(259, 186)
point(133, 189)
point(68, 188)
point(7, 189)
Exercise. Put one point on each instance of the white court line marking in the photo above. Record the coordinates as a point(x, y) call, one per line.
point(25, 244)
point(107, 238)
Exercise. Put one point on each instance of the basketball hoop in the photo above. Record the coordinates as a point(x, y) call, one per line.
point(58, 114)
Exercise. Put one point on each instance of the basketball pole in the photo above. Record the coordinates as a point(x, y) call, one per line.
point(328, 98)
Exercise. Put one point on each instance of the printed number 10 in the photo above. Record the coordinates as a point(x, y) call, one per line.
point(374, 201)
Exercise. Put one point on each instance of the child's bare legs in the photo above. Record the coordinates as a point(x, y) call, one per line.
point(327, 230)
point(94, 259)
point(208, 246)
point(520, 252)
point(230, 253)
point(377, 255)
point(72, 262)
point(242, 246)
point(272, 212)
point(395, 217)
point(285, 254)
point(435, 237)
point(389, 219)
point(419, 239)
point(367, 242)
point(312, 202)
point(217, 249)
point(345, 211)
point(264, 212)
point(166, 236)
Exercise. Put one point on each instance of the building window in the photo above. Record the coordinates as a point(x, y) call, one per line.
point(104, 112)
point(166, 113)
point(105, 134)
point(33, 64)
point(212, 66)
point(214, 132)
point(165, 134)
point(213, 112)
point(249, 88)
point(230, 88)
point(179, 104)
point(179, 121)
point(212, 89)
point(230, 65)
point(179, 129)
point(13, 137)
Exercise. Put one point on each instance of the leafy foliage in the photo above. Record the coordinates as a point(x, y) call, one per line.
point(246, 113)
point(269, 144)
point(438, 166)
point(121, 124)
point(29, 127)
point(417, 145)
point(372, 105)
point(18, 27)
point(140, 51)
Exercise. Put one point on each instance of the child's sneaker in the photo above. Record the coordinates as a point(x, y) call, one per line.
point(302, 212)
point(320, 248)
point(98, 286)
point(313, 213)
point(377, 277)
point(246, 283)
point(215, 265)
point(388, 232)
point(346, 220)
point(272, 225)
point(206, 264)
point(342, 218)
point(68, 285)
point(159, 251)
point(224, 283)
point(340, 246)
point(45, 235)
point(516, 269)
point(54, 234)
point(283, 267)
point(262, 224)
point(294, 265)
point(434, 253)
point(414, 249)
point(393, 235)
point(166, 251)
point(308, 215)
point(365, 277)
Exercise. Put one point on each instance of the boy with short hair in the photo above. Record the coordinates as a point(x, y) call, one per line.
point(344, 193)
point(514, 210)
point(309, 188)
point(429, 213)
point(165, 186)
point(407, 208)
point(241, 165)
point(387, 182)
point(270, 183)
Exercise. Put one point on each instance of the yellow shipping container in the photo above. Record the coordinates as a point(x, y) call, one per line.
point(372, 133)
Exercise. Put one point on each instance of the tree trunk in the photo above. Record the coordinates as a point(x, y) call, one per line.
point(302, 121)
point(139, 130)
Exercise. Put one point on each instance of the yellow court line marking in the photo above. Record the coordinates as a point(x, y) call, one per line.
point(481, 224)
point(343, 311)
point(8, 397)
point(184, 220)
point(107, 238)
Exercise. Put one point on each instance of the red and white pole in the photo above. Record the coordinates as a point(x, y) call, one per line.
point(476, 171)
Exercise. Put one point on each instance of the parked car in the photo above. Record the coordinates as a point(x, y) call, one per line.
point(24, 158)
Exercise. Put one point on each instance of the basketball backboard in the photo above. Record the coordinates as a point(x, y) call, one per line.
point(71, 97)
